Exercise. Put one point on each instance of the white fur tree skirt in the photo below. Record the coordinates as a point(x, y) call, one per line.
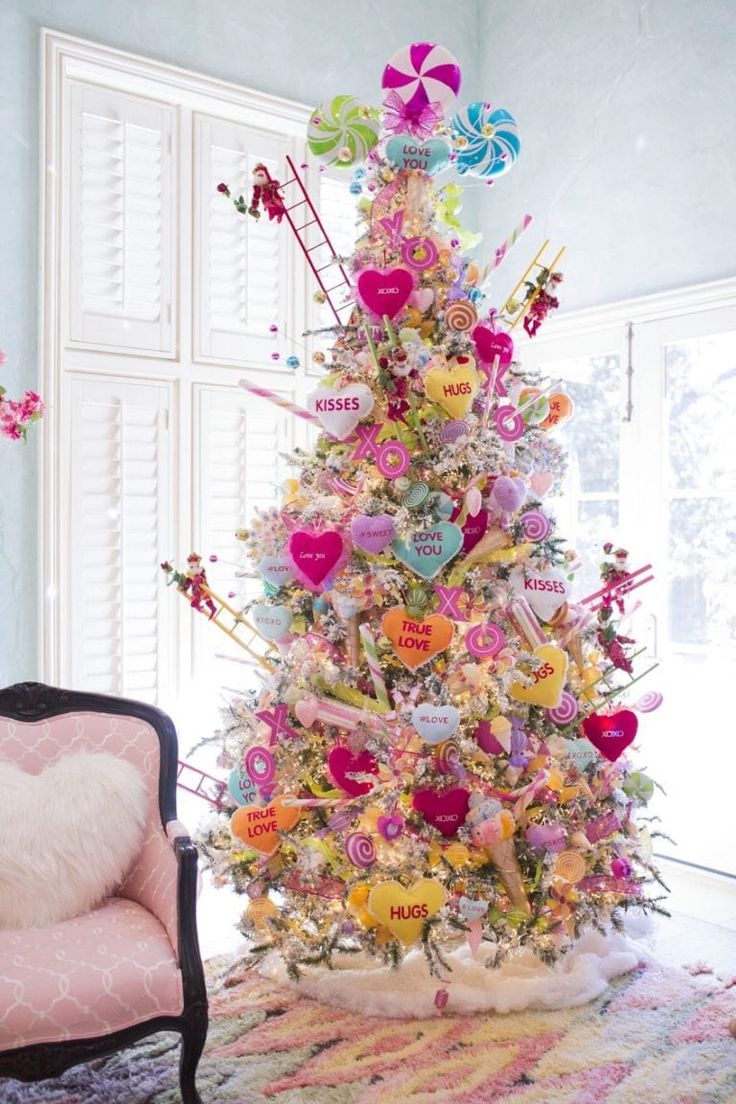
point(362, 985)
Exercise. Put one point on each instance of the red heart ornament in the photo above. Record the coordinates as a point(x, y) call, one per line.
point(489, 345)
point(473, 529)
point(445, 810)
point(315, 555)
point(611, 733)
point(385, 292)
point(344, 767)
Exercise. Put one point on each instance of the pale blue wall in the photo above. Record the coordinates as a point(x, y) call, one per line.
point(626, 110)
point(300, 49)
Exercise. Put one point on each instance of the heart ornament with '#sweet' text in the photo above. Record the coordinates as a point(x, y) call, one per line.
point(405, 911)
point(611, 733)
point(548, 679)
point(416, 642)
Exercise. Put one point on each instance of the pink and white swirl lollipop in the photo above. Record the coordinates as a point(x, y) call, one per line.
point(485, 640)
point(421, 74)
point(565, 711)
point(360, 849)
point(536, 525)
point(650, 701)
point(509, 423)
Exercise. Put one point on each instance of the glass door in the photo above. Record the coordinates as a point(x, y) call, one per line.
point(659, 477)
point(686, 442)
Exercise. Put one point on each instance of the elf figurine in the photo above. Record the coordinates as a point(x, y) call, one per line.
point(196, 582)
point(266, 193)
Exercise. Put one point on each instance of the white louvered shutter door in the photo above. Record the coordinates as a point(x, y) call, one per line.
point(119, 612)
point(338, 212)
point(120, 221)
point(240, 470)
point(242, 266)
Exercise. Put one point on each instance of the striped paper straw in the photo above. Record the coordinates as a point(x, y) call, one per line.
point(278, 400)
point(505, 246)
point(371, 654)
point(348, 716)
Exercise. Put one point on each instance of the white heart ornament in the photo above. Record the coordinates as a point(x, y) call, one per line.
point(272, 622)
point(344, 605)
point(435, 723)
point(339, 411)
point(276, 570)
point(472, 910)
point(545, 591)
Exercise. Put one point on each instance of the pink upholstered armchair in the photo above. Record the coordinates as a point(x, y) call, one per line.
point(131, 967)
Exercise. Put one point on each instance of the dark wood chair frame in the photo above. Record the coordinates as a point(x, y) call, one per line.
point(33, 701)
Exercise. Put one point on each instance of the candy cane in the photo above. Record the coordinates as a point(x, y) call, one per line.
point(371, 654)
point(512, 239)
point(278, 400)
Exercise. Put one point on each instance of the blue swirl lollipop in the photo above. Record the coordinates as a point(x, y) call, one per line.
point(485, 139)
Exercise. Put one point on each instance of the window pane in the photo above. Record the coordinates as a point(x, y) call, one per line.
point(702, 571)
point(701, 411)
point(597, 522)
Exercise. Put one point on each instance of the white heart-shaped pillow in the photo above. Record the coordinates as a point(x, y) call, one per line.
point(67, 836)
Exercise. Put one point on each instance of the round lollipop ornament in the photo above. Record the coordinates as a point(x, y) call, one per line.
point(341, 132)
point(421, 74)
point(485, 139)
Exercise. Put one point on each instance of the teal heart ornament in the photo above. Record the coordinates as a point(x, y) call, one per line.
point(428, 154)
point(427, 551)
point(581, 752)
point(272, 622)
point(435, 723)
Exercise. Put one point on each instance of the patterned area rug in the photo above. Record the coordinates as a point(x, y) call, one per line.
point(656, 1036)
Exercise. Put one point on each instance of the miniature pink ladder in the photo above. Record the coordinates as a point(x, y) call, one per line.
point(201, 784)
point(315, 220)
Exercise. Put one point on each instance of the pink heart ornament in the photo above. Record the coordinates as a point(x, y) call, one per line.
point(611, 733)
point(385, 292)
point(372, 534)
point(445, 810)
point(422, 299)
point(473, 529)
point(489, 345)
point(344, 767)
point(306, 711)
point(545, 591)
point(541, 481)
point(339, 411)
point(315, 555)
point(390, 827)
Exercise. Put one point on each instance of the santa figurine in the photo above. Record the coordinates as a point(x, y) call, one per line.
point(266, 194)
point(196, 583)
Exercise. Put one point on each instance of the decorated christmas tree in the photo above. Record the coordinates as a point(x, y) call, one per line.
point(438, 757)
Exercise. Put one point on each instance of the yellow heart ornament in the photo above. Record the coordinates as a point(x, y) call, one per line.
point(405, 911)
point(549, 678)
point(453, 388)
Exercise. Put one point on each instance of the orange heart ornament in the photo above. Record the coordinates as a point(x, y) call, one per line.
point(416, 642)
point(258, 826)
point(549, 678)
point(453, 388)
point(561, 409)
point(405, 911)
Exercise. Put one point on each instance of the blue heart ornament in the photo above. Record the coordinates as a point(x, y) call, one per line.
point(427, 551)
point(428, 154)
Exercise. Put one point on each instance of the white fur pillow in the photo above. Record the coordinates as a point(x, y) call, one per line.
point(67, 836)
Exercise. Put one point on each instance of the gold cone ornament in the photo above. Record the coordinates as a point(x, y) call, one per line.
point(492, 829)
